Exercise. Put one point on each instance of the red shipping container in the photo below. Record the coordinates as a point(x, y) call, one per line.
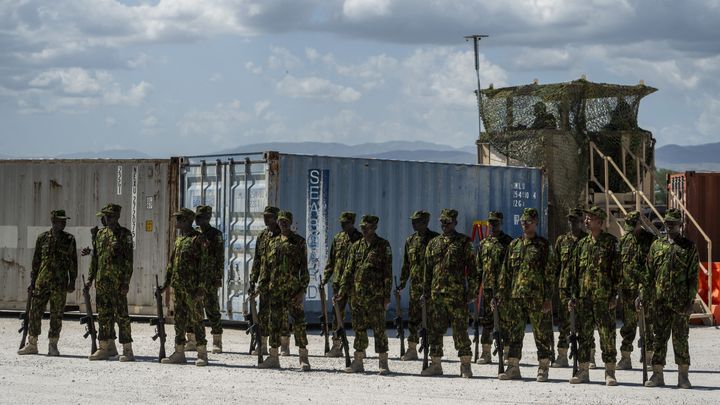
point(700, 194)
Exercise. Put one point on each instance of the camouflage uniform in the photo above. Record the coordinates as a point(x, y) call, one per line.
point(562, 263)
point(367, 281)
point(490, 258)
point(111, 267)
point(214, 271)
point(412, 269)
point(633, 256)
point(185, 275)
point(54, 267)
point(595, 279)
point(285, 275)
point(260, 252)
point(525, 283)
point(449, 264)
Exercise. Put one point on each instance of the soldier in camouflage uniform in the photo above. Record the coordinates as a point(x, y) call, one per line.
point(562, 263)
point(449, 267)
point(525, 285)
point(594, 282)
point(214, 273)
point(271, 230)
point(112, 266)
point(185, 275)
point(367, 281)
point(284, 280)
point(54, 269)
point(672, 273)
point(490, 258)
point(337, 260)
point(634, 247)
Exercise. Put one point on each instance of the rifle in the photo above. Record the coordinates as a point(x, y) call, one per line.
point(89, 320)
point(479, 308)
point(497, 337)
point(324, 316)
point(25, 317)
point(256, 331)
point(252, 324)
point(159, 321)
point(340, 333)
point(573, 341)
point(399, 321)
point(424, 347)
point(641, 340)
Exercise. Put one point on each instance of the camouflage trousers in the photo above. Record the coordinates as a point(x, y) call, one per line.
point(281, 307)
point(563, 319)
point(518, 312)
point(112, 308)
point(41, 296)
point(449, 311)
point(630, 321)
point(342, 304)
point(264, 314)
point(211, 307)
point(485, 317)
point(591, 314)
point(188, 317)
point(415, 314)
point(369, 315)
point(667, 321)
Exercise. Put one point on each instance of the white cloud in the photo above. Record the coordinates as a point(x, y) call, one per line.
point(361, 9)
point(533, 59)
point(252, 68)
point(708, 123)
point(282, 58)
point(317, 89)
point(218, 125)
point(664, 71)
point(261, 107)
point(216, 78)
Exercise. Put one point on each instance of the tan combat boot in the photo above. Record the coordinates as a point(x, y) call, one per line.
point(583, 374)
point(592, 359)
point(272, 361)
point(543, 370)
point(465, 367)
point(217, 344)
point(656, 379)
point(285, 345)
point(683, 379)
point(485, 357)
point(202, 358)
point(112, 350)
point(625, 362)
point(648, 356)
point(562, 359)
point(304, 361)
point(357, 364)
point(512, 372)
point(610, 380)
point(178, 357)
point(52, 347)
point(102, 353)
point(262, 345)
point(383, 363)
point(335, 350)
point(128, 354)
point(411, 353)
point(30, 347)
point(191, 344)
point(435, 367)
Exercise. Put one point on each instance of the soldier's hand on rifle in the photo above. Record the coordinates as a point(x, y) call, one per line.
point(251, 288)
point(217, 284)
point(85, 251)
point(547, 306)
point(571, 304)
point(612, 303)
point(638, 304)
point(93, 231)
point(338, 297)
point(124, 288)
point(31, 287)
point(161, 287)
point(495, 302)
point(70, 287)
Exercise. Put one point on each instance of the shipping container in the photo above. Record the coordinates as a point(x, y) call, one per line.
point(316, 189)
point(700, 194)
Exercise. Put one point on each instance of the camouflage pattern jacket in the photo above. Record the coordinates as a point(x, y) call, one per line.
point(490, 258)
point(285, 268)
point(449, 264)
point(367, 278)
point(414, 259)
point(339, 252)
point(260, 247)
point(215, 265)
point(55, 261)
point(187, 261)
point(596, 267)
point(673, 272)
point(111, 264)
point(633, 258)
point(527, 272)
point(562, 258)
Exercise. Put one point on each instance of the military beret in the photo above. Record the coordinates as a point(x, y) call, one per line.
point(58, 214)
point(185, 213)
point(369, 219)
point(347, 216)
point(110, 209)
point(529, 214)
point(424, 215)
point(286, 215)
point(448, 214)
point(203, 210)
point(575, 213)
point(271, 210)
point(631, 219)
point(495, 216)
point(596, 211)
point(673, 215)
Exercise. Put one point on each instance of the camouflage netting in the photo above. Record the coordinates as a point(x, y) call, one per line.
point(551, 125)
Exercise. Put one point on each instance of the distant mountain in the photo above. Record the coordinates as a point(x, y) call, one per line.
point(106, 154)
point(449, 156)
point(705, 157)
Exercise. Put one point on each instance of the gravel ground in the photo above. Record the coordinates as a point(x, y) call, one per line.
point(232, 376)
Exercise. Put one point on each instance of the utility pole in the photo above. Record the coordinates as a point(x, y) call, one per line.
point(476, 39)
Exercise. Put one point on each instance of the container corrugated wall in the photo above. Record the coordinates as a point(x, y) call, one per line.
point(30, 189)
point(700, 193)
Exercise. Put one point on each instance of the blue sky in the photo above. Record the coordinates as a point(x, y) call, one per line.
point(189, 77)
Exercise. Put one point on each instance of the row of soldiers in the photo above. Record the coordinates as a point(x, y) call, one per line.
point(589, 270)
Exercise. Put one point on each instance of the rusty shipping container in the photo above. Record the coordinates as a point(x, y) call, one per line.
point(700, 193)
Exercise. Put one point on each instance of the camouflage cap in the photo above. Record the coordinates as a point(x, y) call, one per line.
point(596, 212)
point(203, 211)
point(347, 216)
point(286, 215)
point(448, 214)
point(369, 219)
point(424, 215)
point(673, 215)
point(631, 219)
point(58, 214)
point(495, 216)
point(575, 213)
point(270, 210)
point(185, 213)
point(110, 209)
point(529, 214)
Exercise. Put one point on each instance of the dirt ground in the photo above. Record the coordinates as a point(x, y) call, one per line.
point(233, 377)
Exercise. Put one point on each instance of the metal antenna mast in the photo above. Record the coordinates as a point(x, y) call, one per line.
point(476, 39)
